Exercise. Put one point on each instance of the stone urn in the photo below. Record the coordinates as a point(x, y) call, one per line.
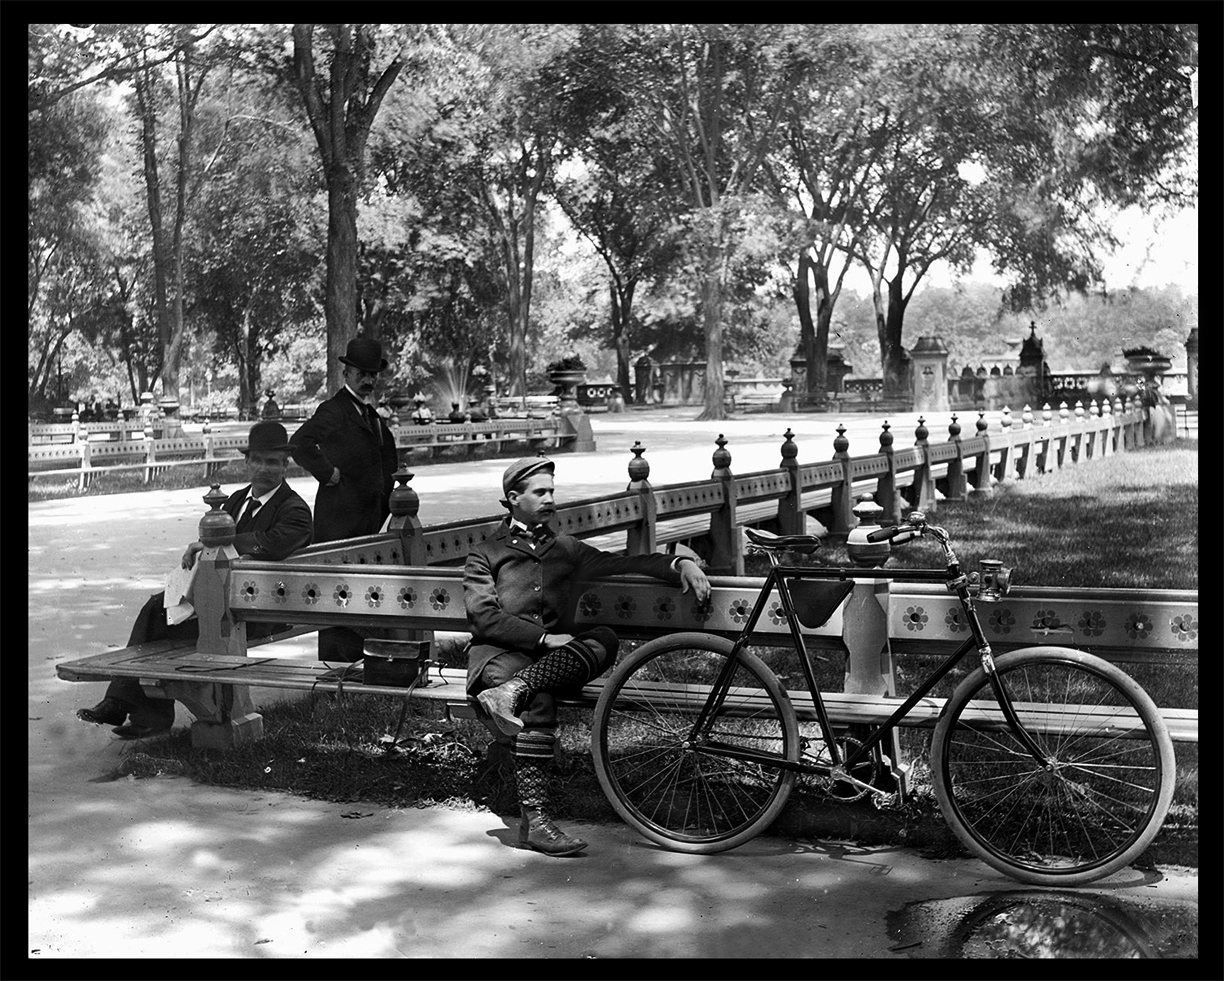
point(568, 382)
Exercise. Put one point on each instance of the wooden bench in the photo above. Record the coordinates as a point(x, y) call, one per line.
point(206, 684)
point(463, 437)
point(210, 450)
point(313, 592)
point(406, 579)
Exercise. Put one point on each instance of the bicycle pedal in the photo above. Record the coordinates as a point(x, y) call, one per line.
point(886, 802)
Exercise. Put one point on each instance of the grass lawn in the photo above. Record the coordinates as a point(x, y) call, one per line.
point(1130, 521)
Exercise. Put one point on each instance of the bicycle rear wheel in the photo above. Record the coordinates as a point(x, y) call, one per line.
point(1098, 801)
point(661, 777)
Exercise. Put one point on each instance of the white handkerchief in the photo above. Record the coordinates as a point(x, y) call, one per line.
point(178, 594)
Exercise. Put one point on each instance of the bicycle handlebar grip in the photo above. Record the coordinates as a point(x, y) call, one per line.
point(884, 534)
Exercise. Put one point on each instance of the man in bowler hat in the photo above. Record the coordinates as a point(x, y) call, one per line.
point(518, 589)
point(350, 451)
point(272, 522)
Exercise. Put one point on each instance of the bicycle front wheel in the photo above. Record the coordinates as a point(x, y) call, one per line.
point(673, 784)
point(1096, 800)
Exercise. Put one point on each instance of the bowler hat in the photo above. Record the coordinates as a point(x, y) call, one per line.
point(524, 468)
point(267, 436)
point(364, 353)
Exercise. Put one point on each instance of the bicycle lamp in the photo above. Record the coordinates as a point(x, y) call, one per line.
point(993, 581)
point(863, 553)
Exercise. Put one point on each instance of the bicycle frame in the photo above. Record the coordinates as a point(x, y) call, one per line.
point(779, 578)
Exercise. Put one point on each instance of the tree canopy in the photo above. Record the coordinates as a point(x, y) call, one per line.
point(216, 203)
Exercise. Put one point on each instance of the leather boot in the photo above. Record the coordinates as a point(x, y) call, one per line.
point(502, 702)
point(537, 831)
point(108, 712)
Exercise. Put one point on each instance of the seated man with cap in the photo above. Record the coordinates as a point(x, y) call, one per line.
point(518, 586)
point(272, 522)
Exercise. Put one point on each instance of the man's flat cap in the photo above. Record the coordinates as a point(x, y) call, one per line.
point(524, 468)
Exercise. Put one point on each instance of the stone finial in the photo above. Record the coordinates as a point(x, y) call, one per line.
point(840, 443)
point(921, 433)
point(1026, 416)
point(1079, 410)
point(1094, 409)
point(639, 468)
point(789, 449)
point(1046, 414)
point(1006, 421)
point(404, 501)
point(954, 429)
point(216, 527)
point(1063, 413)
point(886, 438)
point(721, 458)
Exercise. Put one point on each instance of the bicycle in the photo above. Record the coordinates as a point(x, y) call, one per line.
point(1050, 764)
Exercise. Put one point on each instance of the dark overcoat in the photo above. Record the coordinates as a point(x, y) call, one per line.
point(514, 593)
point(278, 529)
point(339, 436)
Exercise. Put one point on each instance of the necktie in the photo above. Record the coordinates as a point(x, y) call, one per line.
point(372, 418)
point(245, 521)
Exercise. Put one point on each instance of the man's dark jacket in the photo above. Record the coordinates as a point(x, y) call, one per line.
point(277, 529)
point(514, 593)
point(339, 436)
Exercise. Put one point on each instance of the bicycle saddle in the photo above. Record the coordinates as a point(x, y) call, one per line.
point(803, 544)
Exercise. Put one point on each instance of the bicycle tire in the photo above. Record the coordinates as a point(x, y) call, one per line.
point(670, 791)
point(1101, 803)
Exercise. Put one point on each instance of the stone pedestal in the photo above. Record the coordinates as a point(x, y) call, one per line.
point(574, 422)
point(929, 373)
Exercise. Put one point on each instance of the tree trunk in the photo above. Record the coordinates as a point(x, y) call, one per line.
point(888, 325)
point(711, 315)
point(514, 304)
point(820, 336)
point(340, 305)
point(622, 306)
point(813, 335)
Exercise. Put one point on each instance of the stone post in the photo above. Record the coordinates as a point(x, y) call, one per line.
point(1077, 446)
point(957, 485)
point(225, 716)
point(405, 506)
point(790, 508)
point(843, 493)
point(641, 538)
point(924, 480)
point(886, 486)
point(1048, 461)
point(1105, 434)
point(1007, 463)
point(981, 467)
point(726, 555)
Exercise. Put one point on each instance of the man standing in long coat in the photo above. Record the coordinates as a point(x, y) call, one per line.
point(350, 451)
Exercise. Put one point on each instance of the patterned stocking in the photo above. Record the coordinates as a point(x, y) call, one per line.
point(532, 750)
point(567, 667)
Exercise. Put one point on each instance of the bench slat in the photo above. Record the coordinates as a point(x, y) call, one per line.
point(179, 662)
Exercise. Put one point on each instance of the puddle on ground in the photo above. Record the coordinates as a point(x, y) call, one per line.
point(1045, 923)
